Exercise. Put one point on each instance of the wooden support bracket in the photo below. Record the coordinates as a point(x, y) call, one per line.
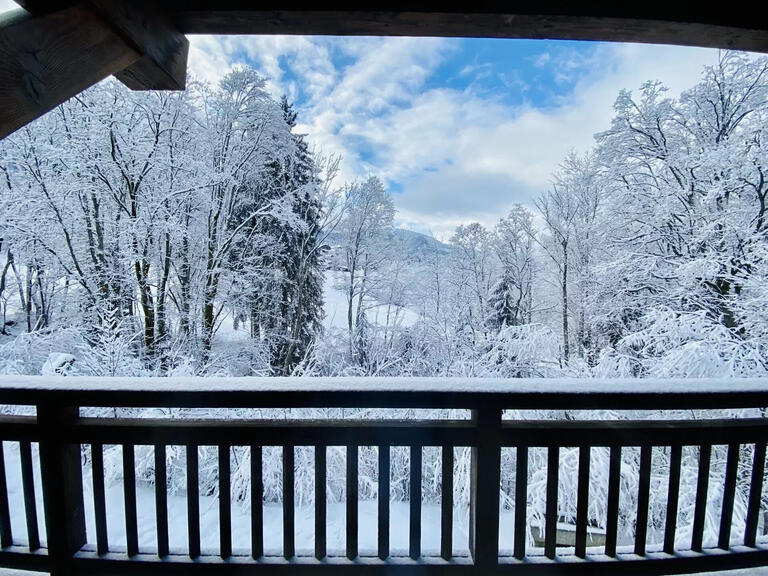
point(58, 50)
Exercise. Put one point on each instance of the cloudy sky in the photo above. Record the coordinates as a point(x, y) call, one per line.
point(459, 129)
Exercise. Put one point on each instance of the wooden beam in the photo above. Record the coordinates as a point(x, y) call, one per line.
point(56, 52)
point(551, 19)
point(659, 28)
point(44, 60)
point(164, 49)
point(653, 22)
point(148, 30)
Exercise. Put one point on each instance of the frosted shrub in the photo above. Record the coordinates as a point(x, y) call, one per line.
point(239, 358)
point(691, 345)
point(524, 351)
point(29, 351)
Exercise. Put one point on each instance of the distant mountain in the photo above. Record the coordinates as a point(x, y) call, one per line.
point(418, 245)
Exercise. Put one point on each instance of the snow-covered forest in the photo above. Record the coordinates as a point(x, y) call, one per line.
point(198, 233)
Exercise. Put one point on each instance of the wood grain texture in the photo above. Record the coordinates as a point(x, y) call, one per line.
point(163, 65)
point(44, 60)
point(656, 28)
point(148, 29)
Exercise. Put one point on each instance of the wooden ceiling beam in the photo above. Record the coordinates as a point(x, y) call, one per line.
point(659, 27)
point(67, 45)
point(61, 49)
point(145, 26)
point(163, 65)
point(646, 22)
point(46, 59)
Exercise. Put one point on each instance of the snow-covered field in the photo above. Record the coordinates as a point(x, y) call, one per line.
point(378, 314)
point(335, 309)
point(304, 522)
point(241, 523)
point(241, 531)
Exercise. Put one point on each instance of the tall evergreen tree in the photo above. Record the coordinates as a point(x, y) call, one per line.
point(285, 301)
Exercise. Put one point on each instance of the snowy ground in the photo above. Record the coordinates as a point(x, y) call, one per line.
point(241, 533)
point(335, 313)
point(241, 522)
point(378, 314)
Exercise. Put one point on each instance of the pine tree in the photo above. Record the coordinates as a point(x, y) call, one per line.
point(504, 304)
point(284, 299)
point(304, 285)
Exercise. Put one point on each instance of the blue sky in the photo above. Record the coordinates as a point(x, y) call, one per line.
point(458, 129)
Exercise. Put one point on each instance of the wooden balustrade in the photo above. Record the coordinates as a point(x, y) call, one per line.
point(60, 435)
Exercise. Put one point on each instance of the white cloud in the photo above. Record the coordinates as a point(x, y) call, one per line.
point(383, 79)
point(458, 155)
point(490, 156)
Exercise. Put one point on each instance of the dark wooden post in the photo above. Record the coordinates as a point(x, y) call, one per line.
point(484, 489)
point(62, 480)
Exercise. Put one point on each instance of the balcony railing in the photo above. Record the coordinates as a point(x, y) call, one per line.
point(62, 436)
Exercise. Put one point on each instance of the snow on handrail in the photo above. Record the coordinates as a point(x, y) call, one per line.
point(469, 393)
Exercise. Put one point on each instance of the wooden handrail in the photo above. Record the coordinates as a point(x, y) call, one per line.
point(351, 392)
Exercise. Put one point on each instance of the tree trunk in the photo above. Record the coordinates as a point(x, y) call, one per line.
point(3, 276)
point(20, 287)
point(209, 298)
point(161, 326)
point(566, 349)
point(184, 289)
point(141, 270)
point(298, 324)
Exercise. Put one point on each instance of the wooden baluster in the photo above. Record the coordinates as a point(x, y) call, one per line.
point(729, 493)
point(225, 505)
point(612, 515)
point(28, 487)
point(129, 493)
point(352, 502)
point(414, 531)
point(99, 498)
point(553, 469)
point(383, 532)
point(446, 504)
point(6, 533)
point(257, 503)
point(193, 502)
point(320, 502)
point(582, 502)
point(755, 495)
point(700, 510)
point(521, 501)
point(289, 542)
point(643, 497)
point(673, 493)
point(161, 501)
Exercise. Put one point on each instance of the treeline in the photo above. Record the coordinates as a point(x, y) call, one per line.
point(135, 225)
point(135, 222)
point(646, 256)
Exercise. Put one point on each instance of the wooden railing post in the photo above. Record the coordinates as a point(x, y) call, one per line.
point(484, 489)
point(62, 480)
